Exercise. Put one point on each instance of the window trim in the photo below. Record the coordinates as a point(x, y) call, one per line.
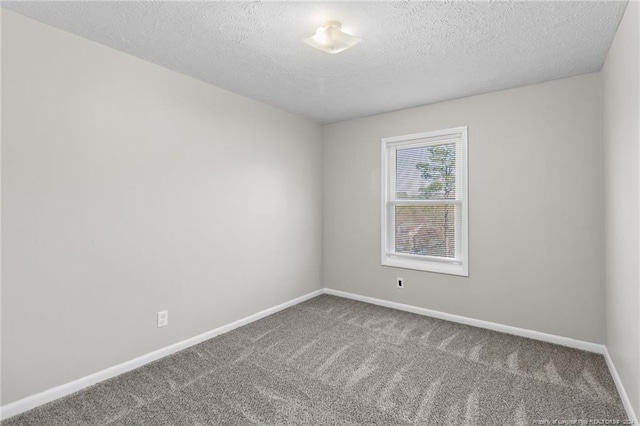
point(426, 263)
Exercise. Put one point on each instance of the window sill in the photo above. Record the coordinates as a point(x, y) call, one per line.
point(426, 265)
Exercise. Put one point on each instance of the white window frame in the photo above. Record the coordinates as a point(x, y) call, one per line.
point(458, 266)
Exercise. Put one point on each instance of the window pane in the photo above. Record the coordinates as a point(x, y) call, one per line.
point(426, 173)
point(426, 230)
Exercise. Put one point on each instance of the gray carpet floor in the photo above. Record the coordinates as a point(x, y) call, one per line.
point(333, 361)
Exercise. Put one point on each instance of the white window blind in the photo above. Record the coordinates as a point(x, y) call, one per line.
point(425, 201)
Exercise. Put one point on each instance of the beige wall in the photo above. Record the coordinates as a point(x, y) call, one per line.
point(535, 209)
point(621, 134)
point(128, 189)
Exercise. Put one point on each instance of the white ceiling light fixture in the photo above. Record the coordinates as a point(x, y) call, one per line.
point(331, 39)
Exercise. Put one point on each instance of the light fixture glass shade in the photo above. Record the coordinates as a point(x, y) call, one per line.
point(331, 39)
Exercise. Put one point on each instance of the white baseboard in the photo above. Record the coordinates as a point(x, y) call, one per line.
point(54, 393)
point(531, 334)
point(623, 394)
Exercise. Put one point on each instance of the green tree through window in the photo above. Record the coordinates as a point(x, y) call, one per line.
point(440, 174)
point(424, 206)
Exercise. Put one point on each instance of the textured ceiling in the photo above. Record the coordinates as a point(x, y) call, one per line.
point(412, 53)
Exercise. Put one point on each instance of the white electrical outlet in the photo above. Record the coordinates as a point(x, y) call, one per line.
point(163, 318)
point(400, 282)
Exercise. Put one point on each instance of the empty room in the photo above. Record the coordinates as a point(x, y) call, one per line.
point(320, 213)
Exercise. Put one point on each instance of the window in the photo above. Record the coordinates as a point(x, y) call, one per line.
point(424, 202)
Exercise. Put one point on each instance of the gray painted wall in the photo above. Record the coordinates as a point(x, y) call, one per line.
point(621, 134)
point(128, 189)
point(535, 209)
point(182, 185)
